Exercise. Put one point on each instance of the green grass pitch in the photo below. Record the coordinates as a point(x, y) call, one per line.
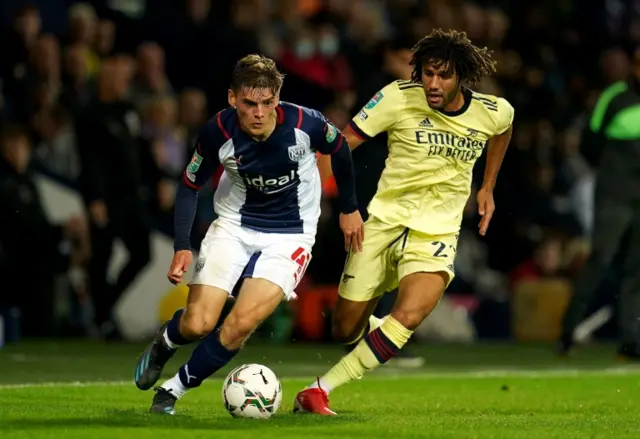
point(85, 390)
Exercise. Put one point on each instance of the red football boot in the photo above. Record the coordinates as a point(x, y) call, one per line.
point(314, 400)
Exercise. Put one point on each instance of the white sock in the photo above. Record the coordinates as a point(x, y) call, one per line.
point(320, 384)
point(175, 386)
point(168, 341)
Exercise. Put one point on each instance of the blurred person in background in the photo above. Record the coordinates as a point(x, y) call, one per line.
point(82, 33)
point(612, 143)
point(119, 182)
point(42, 82)
point(57, 149)
point(37, 250)
point(79, 86)
point(169, 149)
point(151, 80)
point(314, 53)
point(105, 38)
point(16, 46)
point(168, 139)
point(192, 112)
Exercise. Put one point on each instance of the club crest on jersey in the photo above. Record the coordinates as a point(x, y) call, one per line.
point(200, 264)
point(374, 101)
point(332, 133)
point(194, 165)
point(296, 153)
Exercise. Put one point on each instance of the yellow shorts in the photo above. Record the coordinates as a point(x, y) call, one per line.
point(390, 253)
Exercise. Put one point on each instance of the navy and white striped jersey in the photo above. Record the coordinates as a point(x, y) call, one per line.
point(271, 186)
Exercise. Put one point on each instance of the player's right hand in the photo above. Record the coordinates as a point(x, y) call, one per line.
point(353, 228)
point(180, 265)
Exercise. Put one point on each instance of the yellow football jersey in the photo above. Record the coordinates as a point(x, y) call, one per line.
point(427, 177)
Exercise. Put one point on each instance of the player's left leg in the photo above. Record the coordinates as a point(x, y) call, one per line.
point(405, 358)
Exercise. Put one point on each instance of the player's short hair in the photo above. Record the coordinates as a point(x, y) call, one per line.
point(454, 49)
point(257, 71)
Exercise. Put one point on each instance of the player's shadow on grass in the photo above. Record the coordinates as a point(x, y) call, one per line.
point(139, 419)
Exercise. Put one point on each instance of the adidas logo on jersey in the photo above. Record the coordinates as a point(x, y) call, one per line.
point(426, 123)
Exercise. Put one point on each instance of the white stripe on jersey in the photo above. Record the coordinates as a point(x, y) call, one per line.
point(310, 188)
point(231, 193)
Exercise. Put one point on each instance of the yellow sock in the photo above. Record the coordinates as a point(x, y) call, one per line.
point(374, 323)
point(376, 348)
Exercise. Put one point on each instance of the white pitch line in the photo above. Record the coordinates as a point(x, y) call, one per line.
point(395, 374)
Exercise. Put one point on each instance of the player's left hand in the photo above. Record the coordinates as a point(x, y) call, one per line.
point(486, 207)
point(353, 228)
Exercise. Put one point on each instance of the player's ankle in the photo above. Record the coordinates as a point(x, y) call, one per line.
point(320, 384)
point(175, 387)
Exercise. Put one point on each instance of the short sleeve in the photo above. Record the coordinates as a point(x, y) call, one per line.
point(324, 136)
point(204, 160)
point(379, 114)
point(505, 116)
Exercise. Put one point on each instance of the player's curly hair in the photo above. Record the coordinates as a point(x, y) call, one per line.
point(454, 49)
point(257, 71)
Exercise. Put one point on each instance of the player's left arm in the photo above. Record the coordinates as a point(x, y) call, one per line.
point(496, 150)
point(328, 140)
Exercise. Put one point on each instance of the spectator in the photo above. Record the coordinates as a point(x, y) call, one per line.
point(26, 231)
point(118, 182)
point(17, 45)
point(57, 151)
point(192, 112)
point(105, 38)
point(82, 32)
point(79, 85)
point(151, 80)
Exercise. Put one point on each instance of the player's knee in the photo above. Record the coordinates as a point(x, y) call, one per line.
point(195, 325)
point(409, 318)
point(236, 329)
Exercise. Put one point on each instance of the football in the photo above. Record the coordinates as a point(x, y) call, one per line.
point(252, 391)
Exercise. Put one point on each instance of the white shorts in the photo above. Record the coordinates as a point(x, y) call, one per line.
point(230, 252)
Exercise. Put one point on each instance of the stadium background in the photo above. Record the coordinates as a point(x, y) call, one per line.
point(553, 59)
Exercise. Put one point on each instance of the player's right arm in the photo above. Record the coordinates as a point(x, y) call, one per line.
point(201, 167)
point(378, 115)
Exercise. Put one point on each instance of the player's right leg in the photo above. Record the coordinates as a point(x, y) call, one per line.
point(204, 305)
point(367, 275)
point(214, 278)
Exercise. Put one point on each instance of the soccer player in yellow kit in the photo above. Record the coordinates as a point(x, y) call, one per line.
point(437, 129)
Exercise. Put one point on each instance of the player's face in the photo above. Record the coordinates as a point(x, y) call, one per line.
point(256, 110)
point(440, 85)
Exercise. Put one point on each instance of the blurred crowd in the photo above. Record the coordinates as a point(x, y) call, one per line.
point(108, 97)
